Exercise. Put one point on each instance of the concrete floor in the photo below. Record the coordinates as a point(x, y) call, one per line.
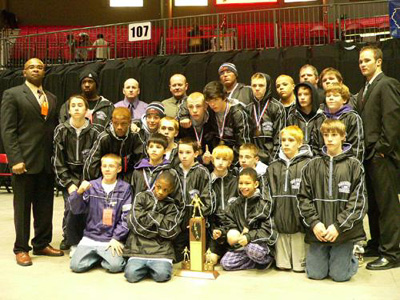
point(52, 278)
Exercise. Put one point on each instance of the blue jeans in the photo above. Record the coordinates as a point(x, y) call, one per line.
point(337, 261)
point(137, 269)
point(86, 257)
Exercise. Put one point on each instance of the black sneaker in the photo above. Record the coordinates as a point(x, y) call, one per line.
point(64, 246)
point(266, 265)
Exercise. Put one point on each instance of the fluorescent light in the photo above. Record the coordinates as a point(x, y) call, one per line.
point(191, 2)
point(126, 3)
point(291, 1)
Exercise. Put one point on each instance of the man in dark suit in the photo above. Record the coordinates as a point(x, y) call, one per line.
point(378, 104)
point(28, 119)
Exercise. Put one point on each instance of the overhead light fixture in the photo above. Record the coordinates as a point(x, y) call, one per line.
point(191, 2)
point(126, 3)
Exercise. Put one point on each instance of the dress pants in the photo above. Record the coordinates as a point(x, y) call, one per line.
point(34, 191)
point(383, 187)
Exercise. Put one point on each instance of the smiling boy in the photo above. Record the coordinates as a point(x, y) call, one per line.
point(248, 227)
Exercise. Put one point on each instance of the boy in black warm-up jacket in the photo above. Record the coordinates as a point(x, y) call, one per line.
point(153, 223)
point(283, 176)
point(73, 140)
point(332, 202)
point(248, 227)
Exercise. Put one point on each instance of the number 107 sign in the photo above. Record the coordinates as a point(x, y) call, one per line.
point(139, 31)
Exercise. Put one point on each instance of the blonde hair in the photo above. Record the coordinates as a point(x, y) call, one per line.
point(174, 121)
point(293, 131)
point(340, 88)
point(251, 147)
point(331, 125)
point(114, 157)
point(223, 151)
point(196, 96)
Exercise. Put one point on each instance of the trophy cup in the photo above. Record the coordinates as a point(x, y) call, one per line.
point(194, 261)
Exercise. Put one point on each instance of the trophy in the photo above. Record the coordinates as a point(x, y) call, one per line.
point(196, 262)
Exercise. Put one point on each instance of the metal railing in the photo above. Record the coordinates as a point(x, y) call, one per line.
point(260, 29)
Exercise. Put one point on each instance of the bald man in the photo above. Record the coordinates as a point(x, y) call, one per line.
point(28, 120)
point(131, 91)
point(178, 87)
point(285, 88)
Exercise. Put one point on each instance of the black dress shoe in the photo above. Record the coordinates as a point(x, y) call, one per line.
point(382, 264)
point(64, 246)
point(371, 252)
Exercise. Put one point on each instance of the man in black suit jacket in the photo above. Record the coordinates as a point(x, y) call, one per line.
point(378, 104)
point(28, 119)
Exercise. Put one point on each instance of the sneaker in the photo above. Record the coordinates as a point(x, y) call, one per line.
point(64, 246)
point(72, 250)
point(265, 266)
point(358, 252)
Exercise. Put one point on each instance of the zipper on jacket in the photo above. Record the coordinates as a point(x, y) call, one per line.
point(184, 187)
point(286, 177)
point(245, 209)
point(222, 194)
point(330, 176)
point(77, 147)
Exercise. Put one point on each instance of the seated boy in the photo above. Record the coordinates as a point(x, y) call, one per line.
point(283, 177)
point(224, 187)
point(337, 107)
point(195, 180)
point(332, 203)
point(148, 169)
point(107, 201)
point(248, 227)
point(307, 114)
point(73, 140)
point(153, 221)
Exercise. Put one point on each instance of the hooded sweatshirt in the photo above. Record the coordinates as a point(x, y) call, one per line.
point(272, 112)
point(308, 123)
point(354, 129)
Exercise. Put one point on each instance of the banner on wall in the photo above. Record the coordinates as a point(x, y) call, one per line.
point(394, 17)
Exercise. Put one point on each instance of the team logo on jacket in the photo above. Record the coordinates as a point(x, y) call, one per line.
point(267, 126)
point(101, 115)
point(344, 187)
point(295, 183)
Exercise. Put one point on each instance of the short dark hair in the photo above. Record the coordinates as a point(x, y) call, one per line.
point(189, 141)
point(214, 90)
point(100, 36)
point(158, 138)
point(168, 178)
point(249, 172)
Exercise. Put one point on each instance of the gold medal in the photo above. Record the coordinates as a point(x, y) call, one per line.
point(258, 132)
point(221, 142)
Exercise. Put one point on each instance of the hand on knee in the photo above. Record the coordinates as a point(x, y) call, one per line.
point(233, 236)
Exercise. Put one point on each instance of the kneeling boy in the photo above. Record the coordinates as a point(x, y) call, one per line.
point(332, 202)
point(153, 222)
point(107, 201)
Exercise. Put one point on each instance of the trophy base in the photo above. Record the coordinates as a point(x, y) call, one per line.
point(195, 274)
